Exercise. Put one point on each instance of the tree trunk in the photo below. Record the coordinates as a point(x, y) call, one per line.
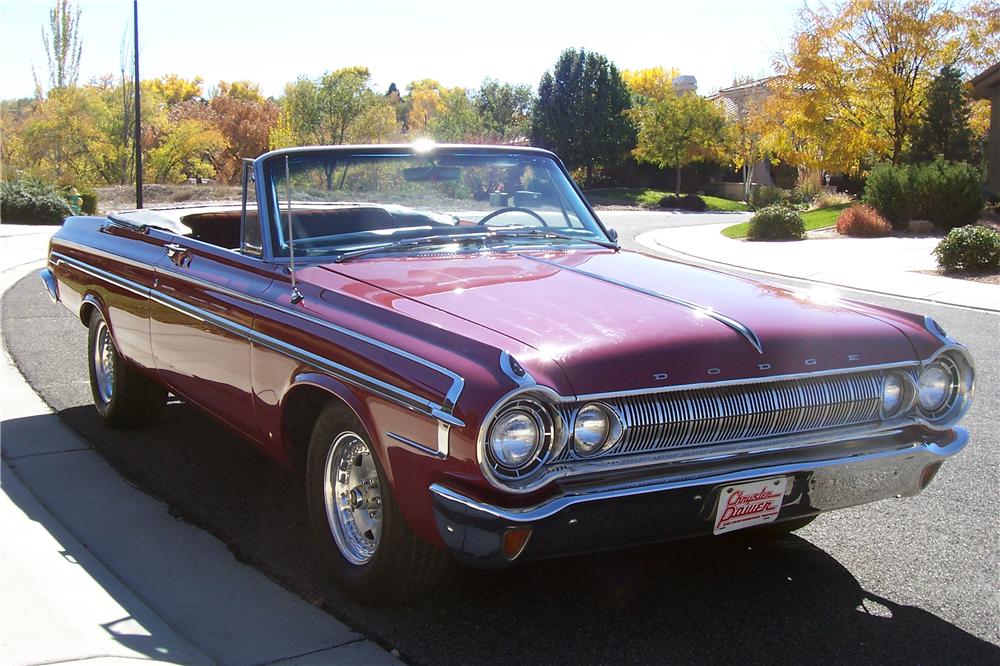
point(677, 186)
point(590, 176)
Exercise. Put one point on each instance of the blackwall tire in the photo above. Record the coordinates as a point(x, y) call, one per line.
point(124, 397)
point(365, 543)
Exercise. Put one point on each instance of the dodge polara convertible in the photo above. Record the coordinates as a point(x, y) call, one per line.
point(462, 360)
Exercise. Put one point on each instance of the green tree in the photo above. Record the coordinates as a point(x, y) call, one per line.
point(62, 46)
point(62, 140)
point(322, 111)
point(505, 109)
point(184, 152)
point(580, 112)
point(456, 121)
point(944, 126)
point(678, 130)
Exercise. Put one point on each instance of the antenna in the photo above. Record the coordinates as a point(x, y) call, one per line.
point(296, 294)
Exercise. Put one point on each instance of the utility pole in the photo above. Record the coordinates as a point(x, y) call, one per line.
point(138, 110)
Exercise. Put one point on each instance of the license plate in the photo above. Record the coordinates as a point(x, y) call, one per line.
point(748, 504)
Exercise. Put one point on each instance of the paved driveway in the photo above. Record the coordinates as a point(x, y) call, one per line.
point(900, 581)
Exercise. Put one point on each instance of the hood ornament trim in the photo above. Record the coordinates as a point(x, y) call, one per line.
point(745, 331)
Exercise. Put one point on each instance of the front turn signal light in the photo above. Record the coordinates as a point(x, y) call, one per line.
point(514, 541)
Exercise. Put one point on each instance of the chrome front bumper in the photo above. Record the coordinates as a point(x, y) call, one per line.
point(627, 511)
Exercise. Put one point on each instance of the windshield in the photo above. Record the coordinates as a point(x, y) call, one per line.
point(345, 202)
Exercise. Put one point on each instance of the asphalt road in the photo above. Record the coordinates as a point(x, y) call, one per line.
point(900, 581)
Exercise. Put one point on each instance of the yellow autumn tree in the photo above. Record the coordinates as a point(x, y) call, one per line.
point(174, 89)
point(855, 77)
point(426, 99)
point(650, 83)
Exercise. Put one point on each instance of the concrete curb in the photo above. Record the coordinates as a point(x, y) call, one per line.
point(93, 568)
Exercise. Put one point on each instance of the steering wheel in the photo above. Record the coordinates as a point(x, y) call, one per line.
point(512, 209)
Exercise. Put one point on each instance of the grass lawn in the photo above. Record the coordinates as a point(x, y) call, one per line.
point(639, 196)
point(813, 219)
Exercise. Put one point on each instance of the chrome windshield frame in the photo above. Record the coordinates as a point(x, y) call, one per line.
point(269, 215)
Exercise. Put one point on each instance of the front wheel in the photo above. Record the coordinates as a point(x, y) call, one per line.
point(124, 397)
point(362, 537)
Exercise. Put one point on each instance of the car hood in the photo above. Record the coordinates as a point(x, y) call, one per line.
point(615, 321)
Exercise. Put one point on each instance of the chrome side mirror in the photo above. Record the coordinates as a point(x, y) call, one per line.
point(613, 234)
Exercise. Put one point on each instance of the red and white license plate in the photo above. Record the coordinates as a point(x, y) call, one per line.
point(748, 504)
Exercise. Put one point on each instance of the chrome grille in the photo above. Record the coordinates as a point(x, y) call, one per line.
point(734, 413)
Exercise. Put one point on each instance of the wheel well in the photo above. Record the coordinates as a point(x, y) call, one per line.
point(301, 408)
point(86, 312)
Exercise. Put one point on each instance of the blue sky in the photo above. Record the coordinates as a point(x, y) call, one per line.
point(458, 43)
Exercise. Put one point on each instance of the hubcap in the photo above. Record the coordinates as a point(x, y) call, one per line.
point(104, 363)
point(353, 498)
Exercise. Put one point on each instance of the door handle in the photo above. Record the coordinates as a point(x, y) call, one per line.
point(177, 254)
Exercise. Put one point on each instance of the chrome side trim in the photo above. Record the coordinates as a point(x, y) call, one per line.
point(444, 439)
point(735, 325)
point(51, 286)
point(457, 381)
point(510, 367)
point(418, 446)
point(551, 507)
point(100, 274)
point(340, 371)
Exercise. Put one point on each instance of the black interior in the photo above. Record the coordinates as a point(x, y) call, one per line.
point(322, 225)
point(221, 228)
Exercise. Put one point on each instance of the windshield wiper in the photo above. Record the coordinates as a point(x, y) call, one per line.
point(483, 236)
point(405, 243)
point(545, 233)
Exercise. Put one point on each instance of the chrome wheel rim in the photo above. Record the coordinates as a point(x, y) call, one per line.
point(353, 498)
point(104, 363)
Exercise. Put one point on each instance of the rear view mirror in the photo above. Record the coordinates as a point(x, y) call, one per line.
point(431, 174)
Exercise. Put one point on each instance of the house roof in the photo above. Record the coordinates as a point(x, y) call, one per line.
point(986, 84)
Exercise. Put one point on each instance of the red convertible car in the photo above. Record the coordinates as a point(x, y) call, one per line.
point(463, 361)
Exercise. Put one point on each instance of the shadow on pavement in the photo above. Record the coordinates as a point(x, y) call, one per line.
point(706, 599)
point(138, 630)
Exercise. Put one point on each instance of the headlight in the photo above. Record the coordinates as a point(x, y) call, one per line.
point(894, 390)
point(519, 438)
point(595, 428)
point(934, 387)
point(514, 438)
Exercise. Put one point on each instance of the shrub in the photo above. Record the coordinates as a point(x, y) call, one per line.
point(969, 248)
point(889, 190)
point(805, 192)
point(767, 195)
point(776, 222)
point(26, 201)
point(830, 199)
point(89, 196)
point(862, 221)
point(946, 193)
point(687, 202)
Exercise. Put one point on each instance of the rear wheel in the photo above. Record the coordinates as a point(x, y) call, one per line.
point(364, 540)
point(124, 397)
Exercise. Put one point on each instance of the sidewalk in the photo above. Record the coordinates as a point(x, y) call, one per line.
point(93, 569)
point(888, 266)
